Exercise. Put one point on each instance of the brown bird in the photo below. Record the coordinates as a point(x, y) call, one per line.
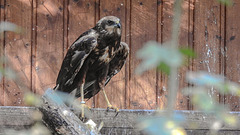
point(92, 60)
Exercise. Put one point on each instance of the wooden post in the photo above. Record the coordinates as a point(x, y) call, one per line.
point(60, 119)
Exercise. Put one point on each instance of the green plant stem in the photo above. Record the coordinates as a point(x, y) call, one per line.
point(176, 23)
point(173, 80)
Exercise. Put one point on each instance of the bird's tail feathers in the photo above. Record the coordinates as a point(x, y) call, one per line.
point(88, 84)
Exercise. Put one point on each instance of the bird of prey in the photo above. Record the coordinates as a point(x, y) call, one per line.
point(92, 60)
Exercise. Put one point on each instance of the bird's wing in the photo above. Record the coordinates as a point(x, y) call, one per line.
point(75, 57)
point(118, 61)
point(115, 66)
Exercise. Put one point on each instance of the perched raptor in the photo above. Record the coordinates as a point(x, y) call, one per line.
point(93, 59)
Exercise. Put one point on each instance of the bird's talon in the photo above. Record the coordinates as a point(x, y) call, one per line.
point(111, 107)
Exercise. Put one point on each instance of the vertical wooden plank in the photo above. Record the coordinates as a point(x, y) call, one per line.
point(232, 50)
point(191, 43)
point(143, 28)
point(206, 41)
point(34, 45)
point(127, 40)
point(81, 18)
point(161, 93)
point(49, 44)
point(222, 38)
point(116, 87)
point(65, 26)
point(166, 29)
point(182, 100)
point(18, 50)
point(2, 9)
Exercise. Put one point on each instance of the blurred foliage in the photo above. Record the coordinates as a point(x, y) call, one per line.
point(187, 52)
point(8, 26)
point(37, 129)
point(166, 57)
point(226, 2)
point(164, 68)
point(4, 69)
point(29, 98)
point(64, 98)
point(32, 99)
point(209, 80)
point(202, 81)
point(163, 125)
point(154, 53)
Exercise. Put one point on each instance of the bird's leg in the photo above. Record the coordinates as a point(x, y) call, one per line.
point(83, 103)
point(82, 100)
point(109, 105)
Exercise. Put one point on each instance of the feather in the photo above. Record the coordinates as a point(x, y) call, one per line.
point(93, 59)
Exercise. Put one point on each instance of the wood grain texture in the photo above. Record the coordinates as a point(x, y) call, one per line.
point(50, 27)
point(116, 87)
point(191, 36)
point(166, 27)
point(2, 3)
point(49, 44)
point(124, 123)
point(143, 28)
point(33, 46)
point(56, 115)
point(222, 38)
point(206, 41)
point(160, 81)
point(232, 49)
point(182, 100)
point(81, 18)
point(18, 51)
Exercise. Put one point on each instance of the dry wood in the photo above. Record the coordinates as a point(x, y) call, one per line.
point(51, 26)
point(17, 50)
point(123, 123)
point(60, 119)
point(206, 44)
point(142, 90)
point(2, 2)
point(232, 59)
point(48, 49)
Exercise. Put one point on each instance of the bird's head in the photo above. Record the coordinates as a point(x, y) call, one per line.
point(109, 25)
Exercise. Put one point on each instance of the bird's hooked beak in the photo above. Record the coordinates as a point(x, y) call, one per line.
point(117, 25)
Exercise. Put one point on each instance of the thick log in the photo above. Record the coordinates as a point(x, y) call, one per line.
point(60, 119)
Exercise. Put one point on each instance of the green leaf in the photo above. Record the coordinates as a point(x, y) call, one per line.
point(188, 52)
point(226, 2)
point(153, 53)
point(164, 68)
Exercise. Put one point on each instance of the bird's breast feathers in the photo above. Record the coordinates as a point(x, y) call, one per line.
point(105, 57)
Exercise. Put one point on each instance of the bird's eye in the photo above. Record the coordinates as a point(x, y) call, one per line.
point(110, 22)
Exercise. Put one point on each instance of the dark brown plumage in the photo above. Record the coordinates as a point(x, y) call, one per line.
point(93, 59)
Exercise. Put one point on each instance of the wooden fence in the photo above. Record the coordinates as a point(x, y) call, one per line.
point(50, 26)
